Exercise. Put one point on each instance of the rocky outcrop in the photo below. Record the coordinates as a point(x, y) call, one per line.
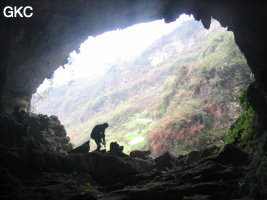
point(31, 174)
point(195, 156)
point(27, 161)
point(257, 100)
point(84, 148)
point(44, 132)
point(49, 133)
point(32, 169)
point(140, 154)
point(167, 161)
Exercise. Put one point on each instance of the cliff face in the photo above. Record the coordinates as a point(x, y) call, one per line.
point(181, 85)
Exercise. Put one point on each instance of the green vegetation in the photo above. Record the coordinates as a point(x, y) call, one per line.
point(87, 184)
point(221, 57)
point(257, 182)
point(187, 118)
point(243, 134)
point(242, 129)
point(170, 106)
point(221, 61)
point(208, 137)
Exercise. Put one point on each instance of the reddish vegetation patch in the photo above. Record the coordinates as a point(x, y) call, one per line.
point(162, 139)
point(211, 108)
point(193, 130)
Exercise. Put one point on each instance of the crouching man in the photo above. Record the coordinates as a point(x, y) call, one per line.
point(98, 134)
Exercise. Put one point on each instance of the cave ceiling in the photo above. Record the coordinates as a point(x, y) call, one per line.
point(32, 48)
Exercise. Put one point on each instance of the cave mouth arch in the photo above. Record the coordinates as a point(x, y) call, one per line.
point(85, 117)
point(96, 53)
point(35, 50)
point(109, 46)
point(30, 51)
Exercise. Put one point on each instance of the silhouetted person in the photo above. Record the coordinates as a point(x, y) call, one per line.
point(98, 134)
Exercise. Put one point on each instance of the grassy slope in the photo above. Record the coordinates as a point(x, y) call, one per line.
point(158, 106)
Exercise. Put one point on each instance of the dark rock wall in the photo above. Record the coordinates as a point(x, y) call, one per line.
point(49, 133)
point(45, 133)
point(32, 48)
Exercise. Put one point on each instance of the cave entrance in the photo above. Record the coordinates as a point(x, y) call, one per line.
point(159, 98)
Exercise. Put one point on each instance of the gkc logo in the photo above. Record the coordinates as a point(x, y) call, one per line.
point(21, 11)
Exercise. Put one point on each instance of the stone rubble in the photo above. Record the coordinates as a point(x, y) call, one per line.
point(41, 169)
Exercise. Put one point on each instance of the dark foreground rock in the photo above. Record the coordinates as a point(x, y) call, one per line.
point(31, 169)
point(44, 132)
point(84, 148)
point(34, 174)
point(49, 132)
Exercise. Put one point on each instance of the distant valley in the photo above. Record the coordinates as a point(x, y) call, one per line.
point(183, 86)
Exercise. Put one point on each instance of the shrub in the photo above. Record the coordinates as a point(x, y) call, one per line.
point(243, 126)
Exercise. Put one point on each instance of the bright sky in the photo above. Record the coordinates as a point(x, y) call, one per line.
point(99, 53)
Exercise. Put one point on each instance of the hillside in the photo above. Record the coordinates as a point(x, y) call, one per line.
point(182, 87)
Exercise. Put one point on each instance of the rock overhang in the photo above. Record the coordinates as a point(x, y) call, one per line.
point(33, 48)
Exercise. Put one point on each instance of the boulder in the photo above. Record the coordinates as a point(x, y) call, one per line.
point(232, 154)
point(192, 157)
point(84, 148)
point(195, 156)
point(49, 133)
point(140, 154)
point(166, 161)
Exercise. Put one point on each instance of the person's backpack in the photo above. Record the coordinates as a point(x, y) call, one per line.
point(115, 148)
